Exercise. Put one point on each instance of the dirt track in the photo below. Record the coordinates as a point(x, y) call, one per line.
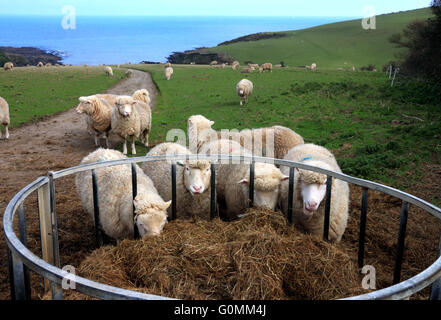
point(58, 142)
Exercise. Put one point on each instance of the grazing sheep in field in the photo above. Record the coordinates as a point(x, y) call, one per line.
point(314, 67)
point(253, 65)
point(129, 73)
point(353, 68)
point(273, 142)
point(244, 89)
point(4, 117)
point(108, 71)
point(310, 191)
point(248, 70)
point(232, 180)
point(40, 64)
point(142, 95)
point(168, 73)
point(8, 66)
point(116, 200)
point(235, 65)
point(167, 65)
point(193, 188)
point(266, 67)
point(131, 119)
point(221, 66)
point(98, 113)
point(278, 66)
point(48, 65)
point(213, 63)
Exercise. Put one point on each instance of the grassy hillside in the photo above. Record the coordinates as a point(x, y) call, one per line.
point(33, 93)
point(355, 114)
point(336, 45)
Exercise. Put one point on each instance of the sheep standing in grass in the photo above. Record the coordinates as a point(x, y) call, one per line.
point(4, 116)
point(233, 179)
point(168, 73)
point(193, 179)
point(266, 67)
point(8, 66)
point(313, 66)
point(98, 113)
point(310, 191)
point(108, 71)
point(116, 199)
point(235, 65)
point(167, 65)
point(244, 89)
point(247, 70)
point(213, 63)
point(253, 65)
point(131, 119)
point(271, 142)
point(40, 64)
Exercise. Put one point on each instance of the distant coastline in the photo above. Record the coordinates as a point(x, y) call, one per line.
point(24, 56)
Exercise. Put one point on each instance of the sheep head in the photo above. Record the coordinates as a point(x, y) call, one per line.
point(150, 217)
point(124, 105)
point(142, 95)
point(87, 105)
point(197, 127)
point(197, 175)
point(267, 180)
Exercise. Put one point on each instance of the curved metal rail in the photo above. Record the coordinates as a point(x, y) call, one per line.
point(21, 258)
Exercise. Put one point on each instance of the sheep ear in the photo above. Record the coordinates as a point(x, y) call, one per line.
point(243, 181)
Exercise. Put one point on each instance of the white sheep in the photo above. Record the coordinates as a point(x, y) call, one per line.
point(142, 95)
point(274, 142)
point(129, 73)
point(167, 65)
point(213, 63)
point(253, 65)
point(40, 64)
point(8, 66)
point(116, 199)
point(193, 187)
point(235, 65)
point(98, 113)
point(266, 67)
point(310, 191)
point(108, 70)
point(168, 73)
point(4, 116)
point(313, 66)
point(244, 89)
point(233, 179)
point(247, 70)
point(48, 64)
point(131, 119)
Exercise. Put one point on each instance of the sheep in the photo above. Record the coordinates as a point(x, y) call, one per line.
point(85, 65)
point(273, 142)
point(131, 119)
point(248, 70)
point(168, 73)
point(308, 67)
point(266, 67)
point(310, 190)
point(193, 187)
point(313, 66)
point(232, 180)
point(353, 68)
point(108, 70)
point(255, 66)
point(129, 73)
point(4, 117)
point(235, 65)
point(213, 63)
point(142, 95)
point(192, 63)
point(116, 200)
point(167, 65)
point(48, 64)
point(8, 66)
point(244, 89)
point(40, 64)
point(221, 66)
point(98, 113)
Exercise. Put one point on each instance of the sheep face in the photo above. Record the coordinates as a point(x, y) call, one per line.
point(86, 105)
point(125, 107)
point(150, 217)
point(197, 176)
point(313, 190)
point(267, 183)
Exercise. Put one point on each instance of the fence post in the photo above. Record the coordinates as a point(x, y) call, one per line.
point(327, 208)
point(23, 239)
point(134, 194)
point(401, 241)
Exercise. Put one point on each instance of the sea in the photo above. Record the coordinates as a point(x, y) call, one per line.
point(117, 40)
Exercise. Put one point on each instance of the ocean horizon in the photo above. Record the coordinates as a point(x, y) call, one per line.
point(117, 40)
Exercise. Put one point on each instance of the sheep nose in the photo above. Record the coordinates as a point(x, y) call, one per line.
point(311, 205)
point(197, 189)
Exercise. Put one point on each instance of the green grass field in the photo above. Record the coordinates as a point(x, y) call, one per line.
point(355, 114)
point(337, 45)
point(33, 93)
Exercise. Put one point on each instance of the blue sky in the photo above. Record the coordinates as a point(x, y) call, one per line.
point(295, 8)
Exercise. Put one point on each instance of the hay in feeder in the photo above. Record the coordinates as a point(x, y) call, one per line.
point(258, 257)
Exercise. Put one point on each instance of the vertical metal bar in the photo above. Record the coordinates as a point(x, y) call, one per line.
point(134, 194)
point(54, 220)
point(363, 220)
point(57, 292)
point(290, 194)
point(327, 208)
point(173, 191)
point(18, 278)
point(23, 239)
point(11, 273)
point(251, 182)
point(436, 287)
point(213, 192)
point(96, 211)
point(45, 228)
point(401, 241)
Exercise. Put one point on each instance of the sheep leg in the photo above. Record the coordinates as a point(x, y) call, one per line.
point(146, 139)
point(0, 133)
point(6, 132)
point(107, 140)
point(133, 145)
point(125, 147)
point(96, 139)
